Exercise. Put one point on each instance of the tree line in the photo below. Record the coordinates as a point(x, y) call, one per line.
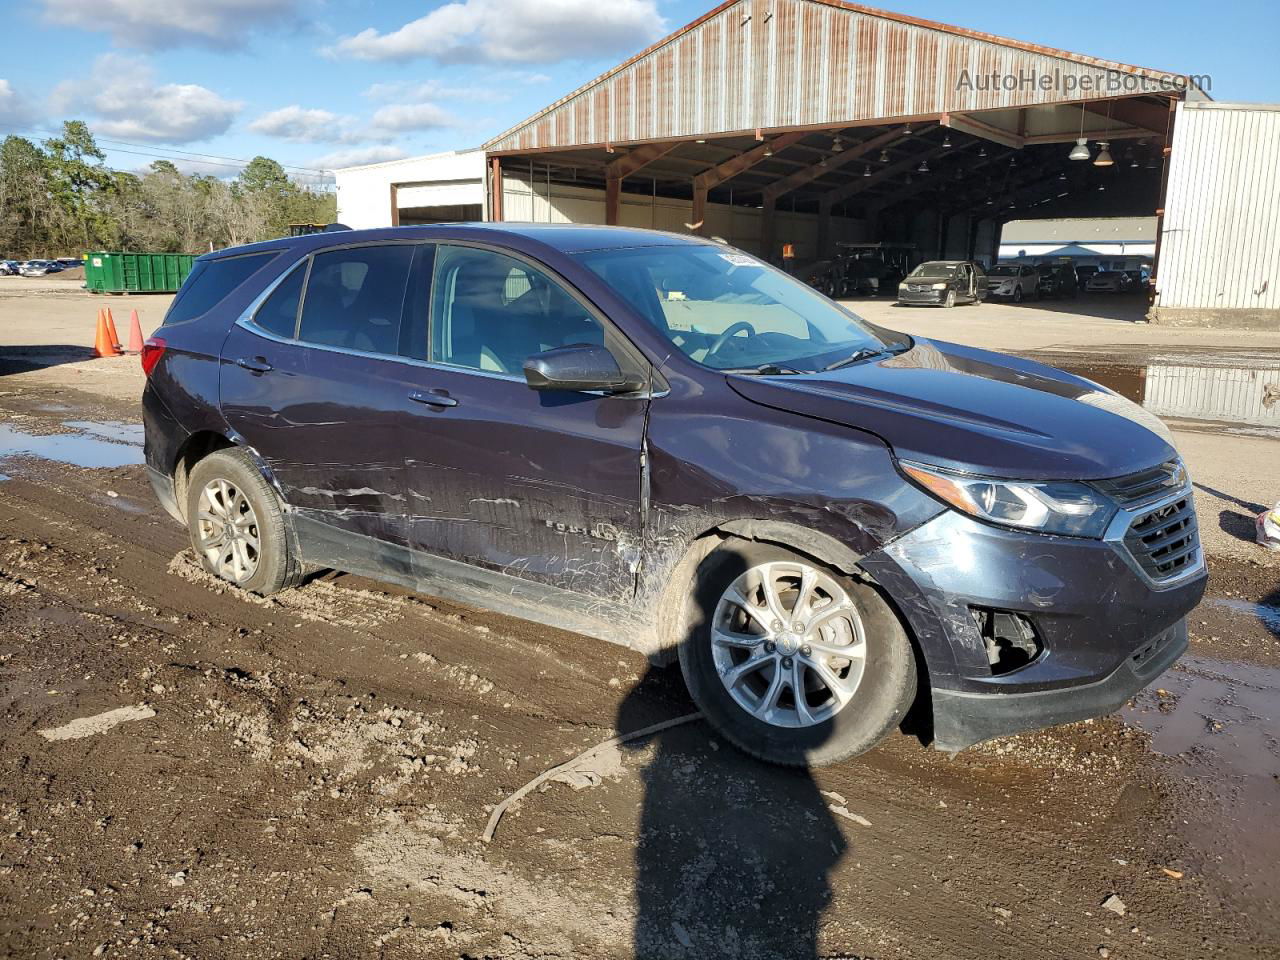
point(59, 199)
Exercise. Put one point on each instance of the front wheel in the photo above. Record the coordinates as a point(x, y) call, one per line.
point(950, 301)
point(1017, 294)
point(236, 524)
point(794, 663)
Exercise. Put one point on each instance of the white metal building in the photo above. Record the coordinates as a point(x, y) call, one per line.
point(441, 188)
point(1220, 242)
point(1109, 243)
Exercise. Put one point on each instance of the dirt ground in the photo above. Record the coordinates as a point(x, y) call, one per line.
point(188, 771)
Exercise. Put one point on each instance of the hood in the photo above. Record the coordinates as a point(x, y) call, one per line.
point(977, 411)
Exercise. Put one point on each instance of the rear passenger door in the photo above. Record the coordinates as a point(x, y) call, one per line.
point(540, 486)
point(312, 380)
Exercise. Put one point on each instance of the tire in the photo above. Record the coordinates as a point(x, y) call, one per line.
point(228, 480)
point(877, 699)
point(950, 301)
point(1017, 294)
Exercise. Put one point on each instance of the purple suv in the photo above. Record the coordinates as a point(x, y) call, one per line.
point(663, 442)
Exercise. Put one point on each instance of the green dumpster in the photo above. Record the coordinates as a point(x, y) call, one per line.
point(106, 272)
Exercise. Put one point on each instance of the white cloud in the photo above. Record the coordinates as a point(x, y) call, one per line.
point(155, 24)
point(514, 31)
point(300, 125)
point(430, 90)
point(401, 118)
point(126, 102)
point(357, 156)
point(14, 109)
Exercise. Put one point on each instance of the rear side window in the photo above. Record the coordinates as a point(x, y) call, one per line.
point(355, 298)
point(279, 312)
point(209, 283)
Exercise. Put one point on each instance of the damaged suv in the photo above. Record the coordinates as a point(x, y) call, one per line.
point(661, 441)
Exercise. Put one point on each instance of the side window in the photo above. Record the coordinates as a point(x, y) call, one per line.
point(491, 312)
point(279, 312)
point(209, 283)
point(355, 298)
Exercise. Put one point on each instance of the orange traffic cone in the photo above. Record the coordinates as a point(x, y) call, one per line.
point(135, 333)
point(111, 329)
point(104, 344)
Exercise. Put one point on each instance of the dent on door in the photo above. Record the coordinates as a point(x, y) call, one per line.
point(544, 487)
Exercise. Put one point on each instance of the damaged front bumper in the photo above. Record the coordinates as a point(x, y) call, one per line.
point(1102, 629)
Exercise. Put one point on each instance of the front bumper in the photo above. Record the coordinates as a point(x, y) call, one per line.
point(921, 297)
point(1092, 607)
point(961, 719)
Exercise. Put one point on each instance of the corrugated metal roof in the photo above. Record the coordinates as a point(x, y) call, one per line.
point(1082, 230)
point(776, 64)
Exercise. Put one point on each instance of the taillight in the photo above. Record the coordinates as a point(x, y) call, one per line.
point(152, 351)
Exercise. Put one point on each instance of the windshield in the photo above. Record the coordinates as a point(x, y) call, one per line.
point(1003, 271)
point(934, 270)
point(729, 311)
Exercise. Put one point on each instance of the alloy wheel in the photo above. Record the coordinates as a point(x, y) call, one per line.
point(227, 531)
point(788, 644)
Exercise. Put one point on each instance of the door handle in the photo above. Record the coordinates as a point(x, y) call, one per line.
point(433, 398)
point(254, 364)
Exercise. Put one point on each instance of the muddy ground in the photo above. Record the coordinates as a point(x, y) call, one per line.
point(309, 776)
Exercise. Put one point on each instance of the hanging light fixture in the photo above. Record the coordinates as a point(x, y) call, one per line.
point(837, 145)
point(1102, 187)
point(946, 142)
point(884, 156)
point(924, 167)
point(959, 174)
point(1081, 150)
point(1062, 176)
point(1013, 161)
point(990, 202)
point(768, 149)
point(1103, 159)
point(982, 150)
point(908, 179)
point(866, 171)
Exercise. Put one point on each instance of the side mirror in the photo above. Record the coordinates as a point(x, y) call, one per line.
point(580, 367)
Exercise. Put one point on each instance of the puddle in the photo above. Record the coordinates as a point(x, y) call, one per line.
point(1224, 394)
point(110, 430)
point(1221, 719)
point(1269, 616)
point(78, 449)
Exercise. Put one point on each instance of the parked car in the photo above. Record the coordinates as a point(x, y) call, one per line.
point(1057, 280)
point(1012, 281)
point(1083, 274)
point(658, 440)
point(1110, 281)
point(1139, 279)
point(10, 268)
point(944, 283)
point(40, 268)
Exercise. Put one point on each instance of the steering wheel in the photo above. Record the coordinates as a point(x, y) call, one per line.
point(732, 330)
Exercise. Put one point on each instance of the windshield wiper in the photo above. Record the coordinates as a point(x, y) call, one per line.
point(866, 353)
point(767, 370)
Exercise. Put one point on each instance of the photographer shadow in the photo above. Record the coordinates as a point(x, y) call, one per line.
point(734, 855)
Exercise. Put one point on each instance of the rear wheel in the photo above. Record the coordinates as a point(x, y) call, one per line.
point(236, 524)
point(794, 663)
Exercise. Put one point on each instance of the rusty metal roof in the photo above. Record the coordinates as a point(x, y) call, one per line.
point(783, 64)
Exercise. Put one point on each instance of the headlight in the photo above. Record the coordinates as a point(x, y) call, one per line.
point(1064, 507)
point(939, 286)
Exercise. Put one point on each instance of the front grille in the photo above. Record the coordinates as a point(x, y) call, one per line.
point(1165, 541)
point(1146, 485)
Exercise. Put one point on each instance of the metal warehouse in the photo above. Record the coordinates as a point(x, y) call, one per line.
point(790, 127)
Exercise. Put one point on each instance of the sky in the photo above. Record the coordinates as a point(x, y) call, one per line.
point(320, 84)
